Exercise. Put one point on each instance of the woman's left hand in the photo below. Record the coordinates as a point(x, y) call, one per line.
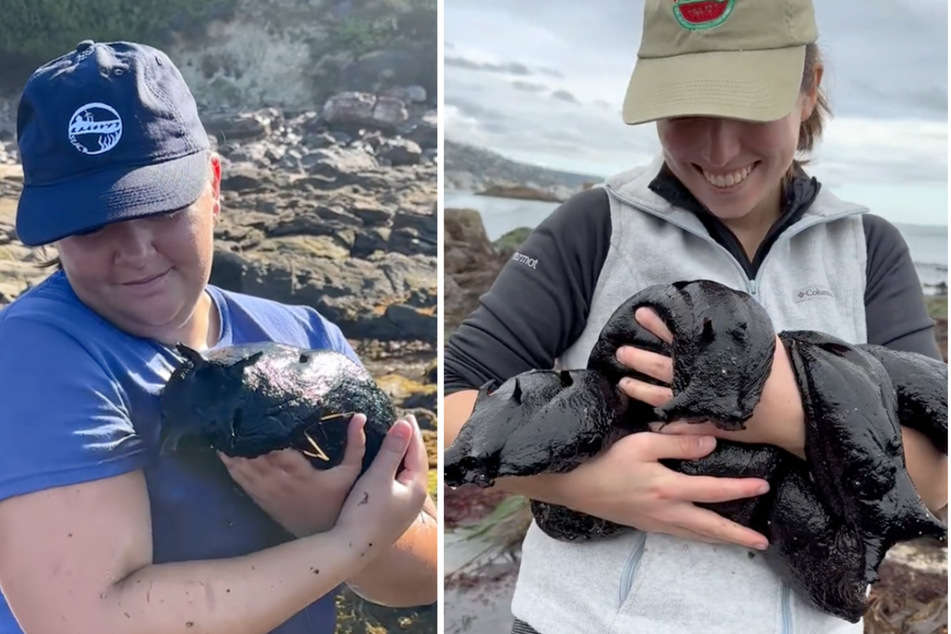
point(777, 419)
point(304, 500)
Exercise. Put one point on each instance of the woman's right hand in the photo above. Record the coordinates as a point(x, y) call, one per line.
point(383, 503)
point(628, 485)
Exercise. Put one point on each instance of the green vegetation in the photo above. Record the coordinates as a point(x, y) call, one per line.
point(512, 240)
point(33, 32)
point(386, 23)
point(937, 306)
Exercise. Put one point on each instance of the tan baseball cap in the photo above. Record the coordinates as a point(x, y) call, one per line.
point(740, 59)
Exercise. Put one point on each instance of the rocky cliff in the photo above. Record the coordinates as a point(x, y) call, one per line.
point(476, 169)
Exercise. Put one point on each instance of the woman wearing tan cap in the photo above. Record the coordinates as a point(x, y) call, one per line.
point(733, 87)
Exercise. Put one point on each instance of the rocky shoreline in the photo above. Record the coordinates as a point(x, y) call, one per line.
point(911, 594)
point(519, 192)
point(333, 208)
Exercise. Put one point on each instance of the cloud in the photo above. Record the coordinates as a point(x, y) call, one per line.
point(565, 96)
point(512, 68)
point(528, 86)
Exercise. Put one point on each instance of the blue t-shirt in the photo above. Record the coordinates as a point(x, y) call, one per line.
point(80, 403)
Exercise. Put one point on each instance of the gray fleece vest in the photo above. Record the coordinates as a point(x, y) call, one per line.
point(651, 583)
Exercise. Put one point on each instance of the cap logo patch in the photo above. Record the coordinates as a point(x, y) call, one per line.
point(95, 128)
point(702, 14)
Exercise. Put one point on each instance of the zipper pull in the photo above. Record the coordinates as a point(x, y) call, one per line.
point(751, 285)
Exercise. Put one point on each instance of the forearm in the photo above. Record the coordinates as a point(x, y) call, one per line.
point(405, 574)
point(252, 594)
point(928, 468)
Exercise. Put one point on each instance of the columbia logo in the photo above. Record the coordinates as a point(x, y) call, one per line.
point(813, 292)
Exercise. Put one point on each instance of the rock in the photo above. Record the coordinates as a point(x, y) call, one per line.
point(349, 107)
point(244, 127)
point(414, 233)
point(241, 180)
point(291, 161)
point(413, 323)
point(520, 192)
point(429, 156)
point(369, 241)
point(228, 269)
point(416, 94)
point(340, 138)
point(319, 140)
point(400, 152)
point(362, 109)
point(389, 112)
point(471, 263)
point(371, 214)
point(424, 131)
point(383, 69)
point(338, 162)
point(912, 594)
point(408, 94)
point(406, 393)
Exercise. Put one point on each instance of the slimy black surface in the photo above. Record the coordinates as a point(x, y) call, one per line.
point(248, 400)
point(830, 519)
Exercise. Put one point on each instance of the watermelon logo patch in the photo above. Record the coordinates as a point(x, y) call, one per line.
point(702, 14)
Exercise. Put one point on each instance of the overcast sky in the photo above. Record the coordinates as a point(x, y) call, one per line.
point(543, 82)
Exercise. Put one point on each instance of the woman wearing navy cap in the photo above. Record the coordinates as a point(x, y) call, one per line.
point(98, 531)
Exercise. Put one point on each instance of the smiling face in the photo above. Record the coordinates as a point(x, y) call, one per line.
point(147, 276)
point(735, 167)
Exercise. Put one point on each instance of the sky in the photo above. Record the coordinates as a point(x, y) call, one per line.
point(543, 83)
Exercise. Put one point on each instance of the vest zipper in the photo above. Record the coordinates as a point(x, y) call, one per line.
point(786, 610)
point(789, 234)
point(630, 567)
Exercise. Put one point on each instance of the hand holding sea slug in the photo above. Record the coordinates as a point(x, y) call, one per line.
point(777, 419)
point(284, 483)
point(386, 499)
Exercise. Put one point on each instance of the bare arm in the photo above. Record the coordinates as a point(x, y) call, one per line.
point(77, 559)
point(404, 575)
point(927, 467)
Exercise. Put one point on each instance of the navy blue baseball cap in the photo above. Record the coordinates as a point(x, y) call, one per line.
point(108, 132)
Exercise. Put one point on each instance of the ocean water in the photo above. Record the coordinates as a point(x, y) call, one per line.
point(928, 243)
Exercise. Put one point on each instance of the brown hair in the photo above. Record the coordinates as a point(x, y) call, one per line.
point(810, 130)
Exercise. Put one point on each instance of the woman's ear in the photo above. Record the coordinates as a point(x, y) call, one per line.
point(216, 183)
point(812, 95)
